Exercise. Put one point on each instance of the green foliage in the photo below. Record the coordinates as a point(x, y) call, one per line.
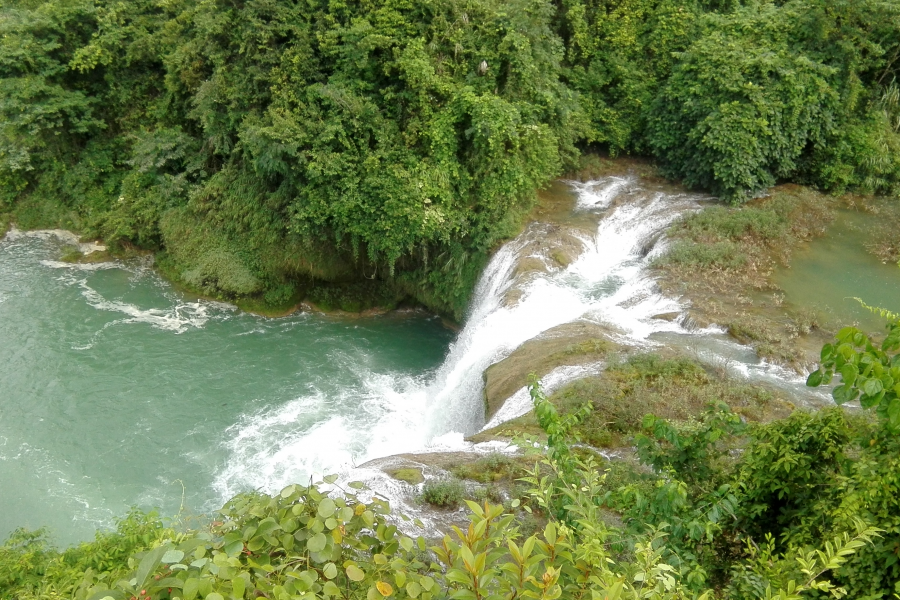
point(390, 136)
point(869, 486)
point(697, 528)
point(786, 473)
point(444, 493)
point(742, 106)
point(869, 372)
point(30, 568)
point(402, 141)
point(776, 90)
point(691, 450)
point(618, 54)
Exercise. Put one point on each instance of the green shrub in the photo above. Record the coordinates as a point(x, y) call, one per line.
point(742, 105)
point(443, 493)
point(692, 451)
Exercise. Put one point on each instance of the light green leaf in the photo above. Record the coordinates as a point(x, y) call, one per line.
point(330, 589)
point(354, 573)
point(316, 543)
point(191, 587)
point(326, 508)
point(330, 571)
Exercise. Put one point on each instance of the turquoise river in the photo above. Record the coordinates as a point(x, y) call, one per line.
point(116, 391)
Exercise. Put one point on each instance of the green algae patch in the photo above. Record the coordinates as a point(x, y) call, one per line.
point(411, 475)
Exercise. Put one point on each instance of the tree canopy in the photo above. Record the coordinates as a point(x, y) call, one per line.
point(263, 143)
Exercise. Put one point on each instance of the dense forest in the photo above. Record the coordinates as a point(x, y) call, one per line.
point(276, 149)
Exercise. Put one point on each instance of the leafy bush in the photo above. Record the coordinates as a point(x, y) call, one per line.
point(742, 106)
point(404, 141)
point(690, 451)
point(444, 493)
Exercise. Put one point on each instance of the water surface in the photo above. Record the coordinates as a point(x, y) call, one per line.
point(115, 390)
point(830, 271)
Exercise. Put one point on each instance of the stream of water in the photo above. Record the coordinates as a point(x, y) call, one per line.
point(116, 390)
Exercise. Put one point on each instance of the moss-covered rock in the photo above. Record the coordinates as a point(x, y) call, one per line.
point(575, 343)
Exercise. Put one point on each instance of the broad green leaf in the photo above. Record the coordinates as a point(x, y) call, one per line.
point(326, 508)
point(849, 373)
point(893, 413)
point(330, 571)
point(814, 379)
point(234, 546)
point(238, 585)
point(317, 542)
point(172, 556)
point(330, 589)
point(843, 394)
point(354, 573)
point(872, 387)
point(148, 564)
point(190, 589)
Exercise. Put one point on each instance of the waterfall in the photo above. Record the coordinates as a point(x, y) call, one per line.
point(609, 283)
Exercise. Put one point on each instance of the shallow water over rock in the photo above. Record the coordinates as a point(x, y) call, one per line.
point(831, 271)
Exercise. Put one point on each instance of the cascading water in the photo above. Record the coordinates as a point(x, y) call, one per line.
point(117, 390)
point(609, 284)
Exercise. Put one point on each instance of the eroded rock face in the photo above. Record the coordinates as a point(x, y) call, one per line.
point(577, 343)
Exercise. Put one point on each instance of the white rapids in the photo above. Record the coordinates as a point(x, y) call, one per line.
point(609, 283)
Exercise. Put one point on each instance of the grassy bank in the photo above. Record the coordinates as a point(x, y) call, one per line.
point(722, 259)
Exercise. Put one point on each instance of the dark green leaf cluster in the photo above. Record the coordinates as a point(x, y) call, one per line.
point(319, 139)
point(869, 372)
